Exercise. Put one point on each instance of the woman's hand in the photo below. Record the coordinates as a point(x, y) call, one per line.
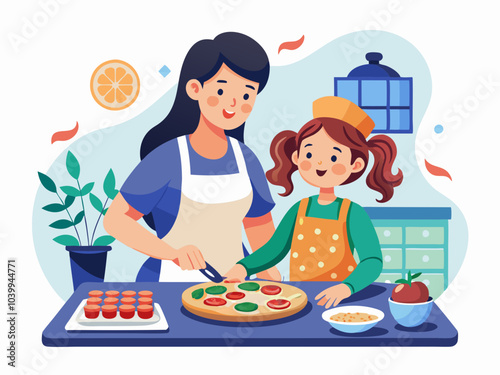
point(333, 295)
point(236, 274)
point(189, 258)
point(270, 274)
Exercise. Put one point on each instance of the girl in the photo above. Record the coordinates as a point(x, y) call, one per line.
point(323, 230)
point(197, 182)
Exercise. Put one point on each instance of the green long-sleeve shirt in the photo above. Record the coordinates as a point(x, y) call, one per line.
point(361, 236)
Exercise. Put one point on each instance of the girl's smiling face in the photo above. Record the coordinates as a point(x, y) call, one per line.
point(323, 162)
point(226, 99)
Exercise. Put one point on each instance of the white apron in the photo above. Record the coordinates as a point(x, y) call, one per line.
point(210, 216)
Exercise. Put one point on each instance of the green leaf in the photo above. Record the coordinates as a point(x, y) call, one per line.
point(416, 275)
point(61, 224)
point(68, 201)
point(55, 207)
point(67, 240)
point(409, 276)
point(96, 202)
point(47, 182)
point(401, 281)
point(104, 212)
point(70, 190)
point(79, 217)
point(72, 165)
point(103, 241)
point(109, 185)
point(87, 188)
point(198, 293)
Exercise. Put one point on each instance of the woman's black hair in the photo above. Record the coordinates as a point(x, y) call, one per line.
point(239, 52)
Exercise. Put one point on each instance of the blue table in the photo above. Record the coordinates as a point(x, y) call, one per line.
point(303, 329)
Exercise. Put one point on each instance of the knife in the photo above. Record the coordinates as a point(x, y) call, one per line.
point(211, 273)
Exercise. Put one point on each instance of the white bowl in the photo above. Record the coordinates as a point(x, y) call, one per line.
point(352, 327)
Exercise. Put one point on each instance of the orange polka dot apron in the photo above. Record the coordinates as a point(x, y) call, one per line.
point(320, 248)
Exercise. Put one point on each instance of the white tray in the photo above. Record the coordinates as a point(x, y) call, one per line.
point(78, 322)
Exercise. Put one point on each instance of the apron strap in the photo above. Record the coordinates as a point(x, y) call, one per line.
point(184, 154)
point(344, 209)
point(303, 207)
point(238, 155)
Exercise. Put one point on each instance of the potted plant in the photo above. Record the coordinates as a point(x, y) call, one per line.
point(87, 254)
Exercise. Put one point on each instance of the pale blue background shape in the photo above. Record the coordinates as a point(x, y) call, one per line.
point(286, 103)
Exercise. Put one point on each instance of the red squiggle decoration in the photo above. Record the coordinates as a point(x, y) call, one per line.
point(65, 135)
point(437, 171)
point(291, 45)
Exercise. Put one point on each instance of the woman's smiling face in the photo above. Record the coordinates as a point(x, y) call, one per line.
point(226, 99)
point(323, 162)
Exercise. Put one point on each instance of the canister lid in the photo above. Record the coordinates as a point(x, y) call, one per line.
point(373, 68)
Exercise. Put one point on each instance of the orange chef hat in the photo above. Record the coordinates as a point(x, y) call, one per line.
point(345, 110)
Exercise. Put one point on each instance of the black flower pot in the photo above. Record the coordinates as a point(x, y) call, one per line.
point(88, 263)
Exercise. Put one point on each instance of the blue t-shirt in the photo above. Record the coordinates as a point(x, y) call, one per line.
point(154, 186)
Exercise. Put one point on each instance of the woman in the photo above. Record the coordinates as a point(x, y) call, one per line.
point(322, 231)
point(197, 182)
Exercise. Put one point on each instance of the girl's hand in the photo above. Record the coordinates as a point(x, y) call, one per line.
point(333, 295)
point(270, 274)
point(236, 274)
point(189, 258)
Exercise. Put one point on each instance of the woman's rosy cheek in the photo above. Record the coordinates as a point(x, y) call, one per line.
point(212, 101)
point(305, 165)
point(338, 169)
point(246, 108)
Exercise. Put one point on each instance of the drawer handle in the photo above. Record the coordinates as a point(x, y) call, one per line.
point(425, 233)
point(387, 258)
point(425, 258)
point(387, 233)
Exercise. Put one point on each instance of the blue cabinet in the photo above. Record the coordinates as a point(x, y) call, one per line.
point(381, 92)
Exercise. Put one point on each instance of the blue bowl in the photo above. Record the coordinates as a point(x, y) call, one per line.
point(352, 327)
point(410, 314)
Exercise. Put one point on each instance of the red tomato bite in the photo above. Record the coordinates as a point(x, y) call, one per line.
point(215, 301)
point(235, 295)
point(91, 311)
point(109, 311)
point(278, 304)
point(146, 294)
point(127, 311)
point(271, 290)
point(145, 311)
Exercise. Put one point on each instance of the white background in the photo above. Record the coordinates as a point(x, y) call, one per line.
point(44, 88)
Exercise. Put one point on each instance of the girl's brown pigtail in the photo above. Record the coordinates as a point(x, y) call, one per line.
point(282, 148)
point(380, 177)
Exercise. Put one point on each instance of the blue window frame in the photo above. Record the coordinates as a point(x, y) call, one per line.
point(387, 100)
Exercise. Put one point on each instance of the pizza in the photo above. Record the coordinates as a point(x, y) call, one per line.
point(249, 301)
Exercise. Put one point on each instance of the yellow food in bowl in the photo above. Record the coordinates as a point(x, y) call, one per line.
point(353, 317)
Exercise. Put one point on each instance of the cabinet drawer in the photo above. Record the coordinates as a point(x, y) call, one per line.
point(392, 258)
point(425, 235)
point(390, 235)
point(424, 258)
point(435, 283)
point(388, 277)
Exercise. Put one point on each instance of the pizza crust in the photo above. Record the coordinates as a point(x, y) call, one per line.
point(228, 313)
